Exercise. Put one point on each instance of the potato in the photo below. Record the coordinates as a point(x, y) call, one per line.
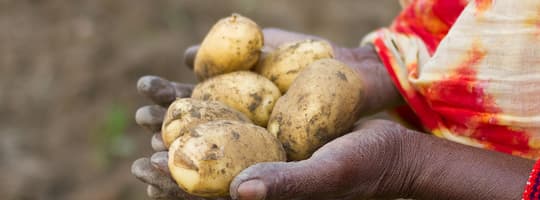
point(204, 162)
point(322, 103)
point(184, 114)
point(234, 43)
point(245, 91)
point(287, 61)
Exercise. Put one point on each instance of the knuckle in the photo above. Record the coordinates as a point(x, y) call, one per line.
point(183, 90)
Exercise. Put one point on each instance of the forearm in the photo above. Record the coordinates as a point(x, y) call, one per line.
point(455, 171)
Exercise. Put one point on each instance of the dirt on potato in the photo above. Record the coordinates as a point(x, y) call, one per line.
point(69, 69)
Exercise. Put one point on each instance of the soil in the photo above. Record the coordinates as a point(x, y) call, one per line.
point(68, 71)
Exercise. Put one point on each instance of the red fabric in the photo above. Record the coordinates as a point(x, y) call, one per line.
point(532, 189)
point(457, 103)
point(429, 19)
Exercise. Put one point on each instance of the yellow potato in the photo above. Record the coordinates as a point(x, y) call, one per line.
point(245, 91)
point(204, 162)
point(233, 44)
point(287, 61)
point(184, 114)
point(322, 103)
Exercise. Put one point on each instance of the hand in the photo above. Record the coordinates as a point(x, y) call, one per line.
point(162, 92)
point(371, 162)
point(383, 160)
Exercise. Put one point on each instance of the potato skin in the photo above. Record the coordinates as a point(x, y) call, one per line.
point(233, 43)
point(284, 64)
point(184, 114)
point(205, 162)
point(245, 91)
point(322, 103)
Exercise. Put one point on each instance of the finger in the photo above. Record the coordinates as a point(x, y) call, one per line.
point(331, 171)
point(161, 91)
point(146, 172)
point(160, 161)
point(150, 117)
point(297, 180)
point(182, 90)
point(274, 37)
point(143, 170)
point(157, 143)
point(189, 56)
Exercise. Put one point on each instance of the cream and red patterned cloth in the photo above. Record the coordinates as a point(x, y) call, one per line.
point(469, 70)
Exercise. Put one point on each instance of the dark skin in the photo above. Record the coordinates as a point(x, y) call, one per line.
point(377, 159)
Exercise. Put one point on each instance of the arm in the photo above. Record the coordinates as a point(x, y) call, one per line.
point(384, 160)
point(439, 169)
point(378, 159)
point(455, 171)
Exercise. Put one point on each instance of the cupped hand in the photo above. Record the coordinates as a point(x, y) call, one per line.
point(373, 161)
point(154, 171)
point(370, 162)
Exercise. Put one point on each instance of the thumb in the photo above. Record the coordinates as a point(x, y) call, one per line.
point(280, 180)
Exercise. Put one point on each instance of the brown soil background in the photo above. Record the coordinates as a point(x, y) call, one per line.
point(68, 71)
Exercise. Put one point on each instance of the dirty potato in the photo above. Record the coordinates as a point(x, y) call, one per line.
point(234, 43)
point(245, 91)
point(287, 61)
point(321, 104)
point(184, 114)
point(204, 162)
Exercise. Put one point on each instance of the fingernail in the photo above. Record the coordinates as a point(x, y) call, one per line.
point(157, 88)
point(252, 190)
point(144, 83)
point(150, 117)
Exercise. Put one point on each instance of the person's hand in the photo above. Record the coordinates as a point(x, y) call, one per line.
point(373, 161)
point(162, 92)
point(325, 171)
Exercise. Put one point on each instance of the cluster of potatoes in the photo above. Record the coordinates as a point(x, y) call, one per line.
point(249, 109)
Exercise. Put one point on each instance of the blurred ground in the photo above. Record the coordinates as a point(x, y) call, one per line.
point(68, 71)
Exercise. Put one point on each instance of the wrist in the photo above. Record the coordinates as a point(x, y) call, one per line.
point(399, 180)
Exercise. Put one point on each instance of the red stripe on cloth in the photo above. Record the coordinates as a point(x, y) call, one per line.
point(430, 20)
point(532, 188)
point(429, 119)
